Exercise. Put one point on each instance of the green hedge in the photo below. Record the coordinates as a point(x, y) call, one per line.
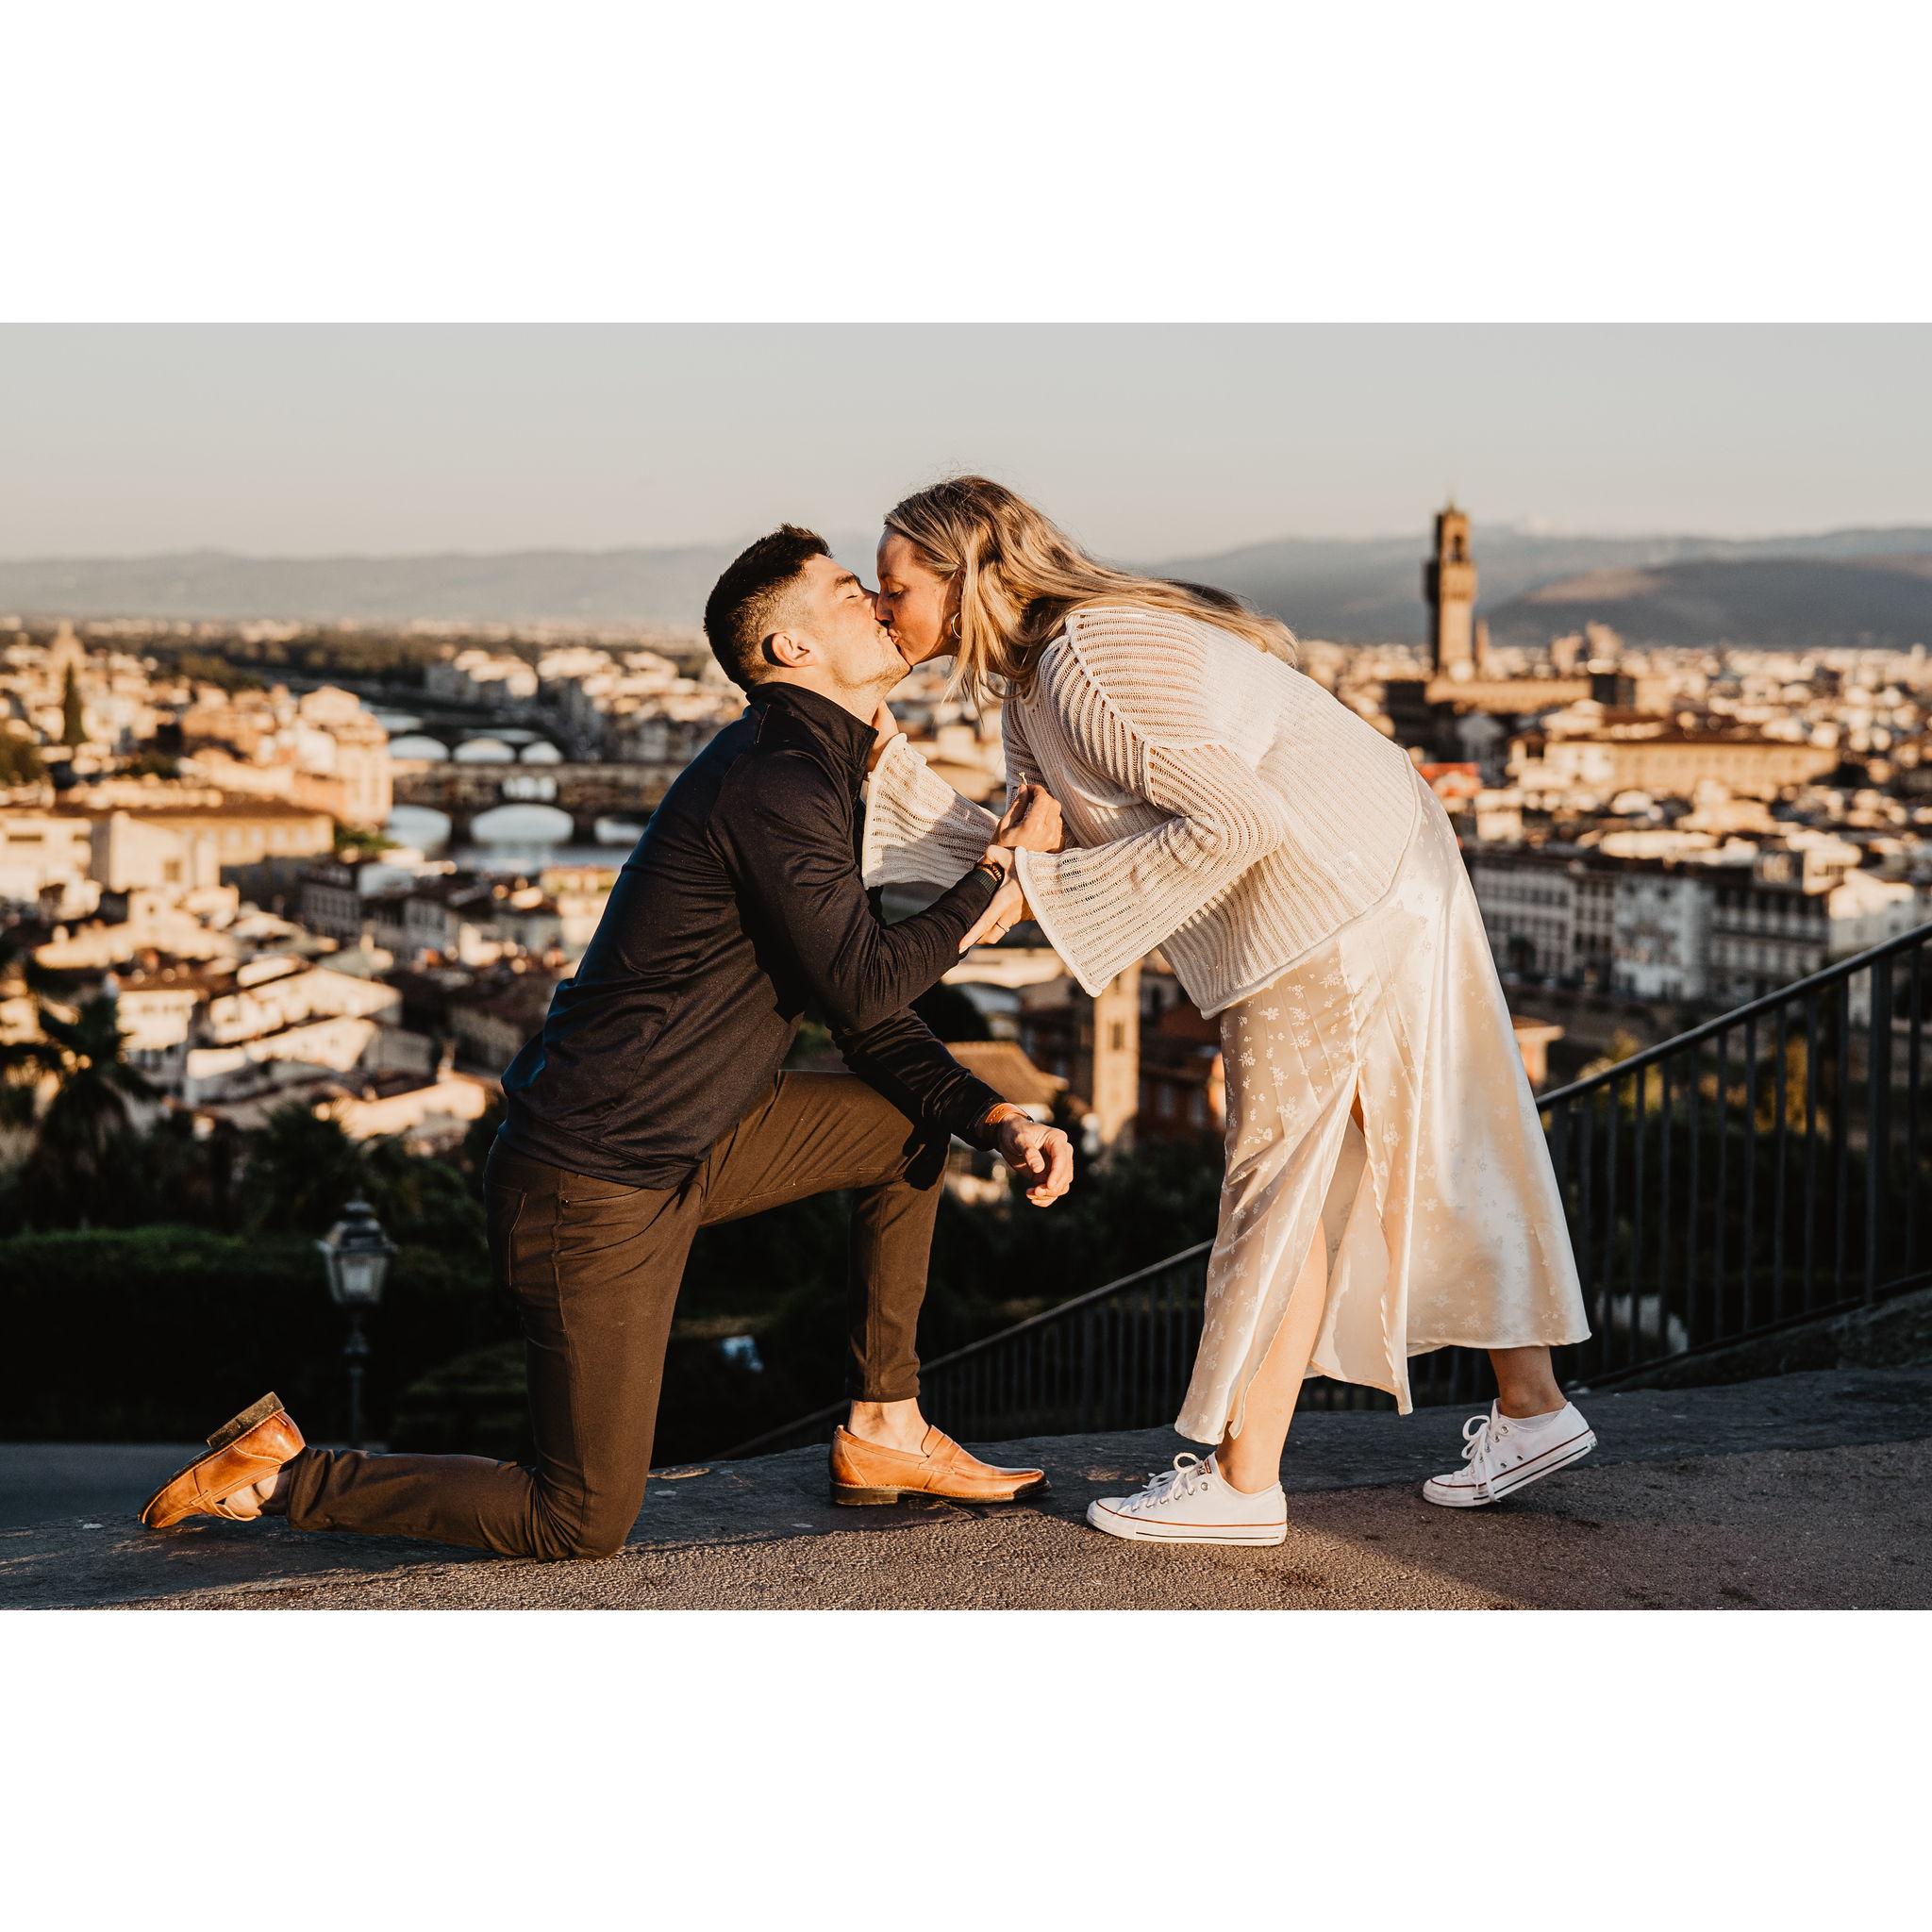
point(161, 1333)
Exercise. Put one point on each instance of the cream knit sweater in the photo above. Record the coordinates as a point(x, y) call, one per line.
point(1218, 804)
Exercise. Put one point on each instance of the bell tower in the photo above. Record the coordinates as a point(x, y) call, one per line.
point(1117, 1057)
point(1449, 585)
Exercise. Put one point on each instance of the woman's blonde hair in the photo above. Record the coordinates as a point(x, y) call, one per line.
point(1017, 575)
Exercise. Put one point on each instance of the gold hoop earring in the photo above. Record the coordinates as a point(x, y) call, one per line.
point(953, 628)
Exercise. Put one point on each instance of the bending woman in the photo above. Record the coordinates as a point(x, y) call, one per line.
point(1389, 1190)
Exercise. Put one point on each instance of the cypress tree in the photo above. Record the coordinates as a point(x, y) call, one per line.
point(72, 723)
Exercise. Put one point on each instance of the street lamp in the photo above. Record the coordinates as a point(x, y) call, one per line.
point(356, 1254)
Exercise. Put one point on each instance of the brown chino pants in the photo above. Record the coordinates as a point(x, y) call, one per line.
point(594, 1267)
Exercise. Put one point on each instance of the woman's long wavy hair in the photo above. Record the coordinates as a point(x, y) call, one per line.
point(1016, 576)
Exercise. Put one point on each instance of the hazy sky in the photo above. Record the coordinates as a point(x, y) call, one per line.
point(1146, 441)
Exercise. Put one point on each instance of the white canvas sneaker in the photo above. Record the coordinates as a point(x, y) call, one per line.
point(1505, 1452)
point(1192, 1503)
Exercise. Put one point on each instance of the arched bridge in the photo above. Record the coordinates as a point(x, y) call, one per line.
point(586, 791)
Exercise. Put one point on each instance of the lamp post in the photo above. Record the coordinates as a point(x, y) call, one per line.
point(356, 1254)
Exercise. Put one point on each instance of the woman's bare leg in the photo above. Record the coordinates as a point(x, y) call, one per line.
point(1252, 1460)
point(1525, 1384)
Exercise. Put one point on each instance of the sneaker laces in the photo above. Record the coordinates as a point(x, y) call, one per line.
point(1188, 1474)
point(1480, 1436)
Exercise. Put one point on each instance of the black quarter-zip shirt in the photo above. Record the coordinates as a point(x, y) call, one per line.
point(741, 909)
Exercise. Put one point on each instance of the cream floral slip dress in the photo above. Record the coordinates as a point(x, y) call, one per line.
point(1305, 885)
point(1442, 1214)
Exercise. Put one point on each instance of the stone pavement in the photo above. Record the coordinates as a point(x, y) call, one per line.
point(1801, 1492)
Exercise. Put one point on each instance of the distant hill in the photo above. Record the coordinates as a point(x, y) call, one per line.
point(1843, 586)
point(1769, 600)
point(582, 586)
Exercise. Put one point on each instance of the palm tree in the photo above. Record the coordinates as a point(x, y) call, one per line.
point(24, 1064)
point(301, 1167)
point(421, 1198)
point(192, 1173)
point(72, 1172)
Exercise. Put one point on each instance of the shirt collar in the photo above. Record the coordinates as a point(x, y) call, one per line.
point(848, 739)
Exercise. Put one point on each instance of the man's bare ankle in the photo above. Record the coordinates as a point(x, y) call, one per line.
point(888, 1424)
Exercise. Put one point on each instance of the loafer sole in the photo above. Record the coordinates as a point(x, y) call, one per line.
point(853, 1495)
point(230, 1431)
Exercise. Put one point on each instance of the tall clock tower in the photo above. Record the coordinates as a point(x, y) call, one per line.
point(1449, 585)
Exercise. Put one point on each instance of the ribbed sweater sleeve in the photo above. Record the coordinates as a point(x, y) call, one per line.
point(918, 830)
point(1103, 906)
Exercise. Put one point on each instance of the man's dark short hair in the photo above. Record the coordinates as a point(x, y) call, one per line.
point(742, 611)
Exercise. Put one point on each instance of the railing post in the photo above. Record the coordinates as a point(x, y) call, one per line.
point(1780, 1078)
point(1719, 1218)
point(1746, 1298)
point(1580, 1243)
point(1640, 1117)
point(1087, 1367)
point(1914, 1049)
point(1666, 1101)
point(1842, 1136)
point(1878, 1095)
point(1612, 1128)
point(1690, 1205)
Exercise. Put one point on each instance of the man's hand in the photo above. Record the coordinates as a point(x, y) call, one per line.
point(1005, 908)
point(1032, 822)
point(1043, 1154)
point(886, 727)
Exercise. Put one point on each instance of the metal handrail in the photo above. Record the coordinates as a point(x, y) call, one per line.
point(1628, 1229)
point(1764, 1003)
point(1059, 1313)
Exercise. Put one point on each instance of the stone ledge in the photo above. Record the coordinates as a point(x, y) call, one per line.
point(1896, 1333)
point(1809, 1490)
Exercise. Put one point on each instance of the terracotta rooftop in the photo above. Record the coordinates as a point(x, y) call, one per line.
point(525, 1000)
point(230, 808)
point(1005, 1067)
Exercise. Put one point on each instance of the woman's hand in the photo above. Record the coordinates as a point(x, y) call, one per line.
point(1004, 907)
point(886, 726)
point(1031, 821)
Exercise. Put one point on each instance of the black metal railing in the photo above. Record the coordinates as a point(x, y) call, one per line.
point(1765, 1168)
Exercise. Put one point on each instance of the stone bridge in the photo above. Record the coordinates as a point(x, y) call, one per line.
point(586, 791)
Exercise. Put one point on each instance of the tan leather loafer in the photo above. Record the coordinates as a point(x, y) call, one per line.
point(864, 1472)
point(241, 1452)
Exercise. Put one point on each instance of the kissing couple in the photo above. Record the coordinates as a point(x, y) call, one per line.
point(1174, 780)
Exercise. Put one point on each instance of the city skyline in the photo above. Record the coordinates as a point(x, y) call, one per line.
point(1146, 441)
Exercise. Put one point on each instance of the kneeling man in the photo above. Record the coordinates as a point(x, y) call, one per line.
point(653, 1102)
